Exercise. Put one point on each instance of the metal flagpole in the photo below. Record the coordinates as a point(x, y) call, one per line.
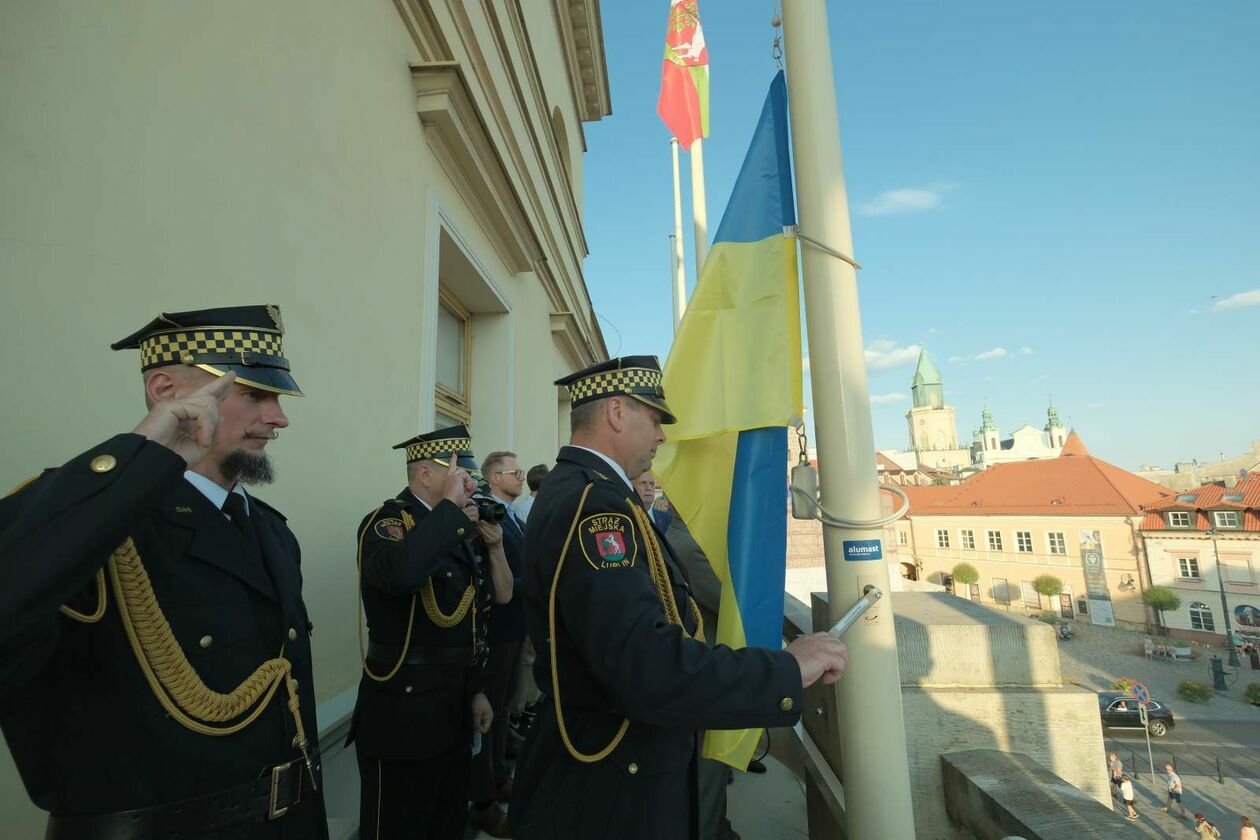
point(872, 732)
point(699, 210)
point(680, 268)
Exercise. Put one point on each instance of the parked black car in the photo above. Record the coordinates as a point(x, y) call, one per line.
point(1120, 711)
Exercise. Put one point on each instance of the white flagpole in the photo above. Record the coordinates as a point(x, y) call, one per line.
point(871, 728)
point(680, 267)
point(699, 210)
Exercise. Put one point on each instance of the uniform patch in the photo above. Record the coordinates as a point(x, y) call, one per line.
point(609, 541)
point(390, 529)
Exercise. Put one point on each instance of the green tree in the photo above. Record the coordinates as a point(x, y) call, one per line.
point(1048, 585)
point(966, 574)
point(1162, 600)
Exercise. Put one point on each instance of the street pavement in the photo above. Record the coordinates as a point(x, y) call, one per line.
point(1222, 804)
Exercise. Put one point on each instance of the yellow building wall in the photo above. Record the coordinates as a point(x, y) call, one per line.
point(1121, 552)
point(163, 156)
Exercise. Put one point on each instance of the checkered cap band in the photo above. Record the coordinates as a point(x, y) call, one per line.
point(426, 450)
point(190, 346)
point(642, 381)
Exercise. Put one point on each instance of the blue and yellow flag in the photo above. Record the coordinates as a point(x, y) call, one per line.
point(733, 379)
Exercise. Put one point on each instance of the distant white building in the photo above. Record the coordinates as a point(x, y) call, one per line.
point(988, 447)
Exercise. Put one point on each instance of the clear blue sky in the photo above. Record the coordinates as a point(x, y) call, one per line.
point(1069, 183)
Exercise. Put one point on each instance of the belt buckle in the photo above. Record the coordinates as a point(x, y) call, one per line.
point(280, 775)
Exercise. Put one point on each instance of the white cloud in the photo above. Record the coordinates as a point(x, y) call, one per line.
point(885, 354)
point(957, 360)
point(1238, 301)
point(904, 200)
point(879, 399)
point(995, 353)
point(1025, 351)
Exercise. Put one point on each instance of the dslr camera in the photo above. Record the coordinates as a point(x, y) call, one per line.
point(489, 508)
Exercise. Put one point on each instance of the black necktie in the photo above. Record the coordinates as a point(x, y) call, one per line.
point(235, 508)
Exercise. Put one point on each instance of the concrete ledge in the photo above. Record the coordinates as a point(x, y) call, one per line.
point(996, 794)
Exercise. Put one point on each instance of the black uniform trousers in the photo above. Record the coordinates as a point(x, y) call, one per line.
point(489, 767)
point(416, 800)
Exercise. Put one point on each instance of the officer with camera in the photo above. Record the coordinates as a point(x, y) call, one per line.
point(426, 594)
point(491, 779)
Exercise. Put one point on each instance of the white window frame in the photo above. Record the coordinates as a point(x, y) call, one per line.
point(1183, 566)
point(1219, 515)
point(1059, 547)
point(1023, 542)
point(1201, 617)
point(967, 539)
point(1175, 517)
point(942, 538)
point(449, 403)
point(992, 537)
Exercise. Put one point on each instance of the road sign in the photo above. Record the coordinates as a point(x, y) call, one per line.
point(1142, 693)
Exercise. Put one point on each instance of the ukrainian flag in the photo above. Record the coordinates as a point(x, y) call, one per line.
point(733, 379)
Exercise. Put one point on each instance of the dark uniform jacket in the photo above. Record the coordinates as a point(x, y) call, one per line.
point(620, 659)
point(424, 709)
point(84, 727)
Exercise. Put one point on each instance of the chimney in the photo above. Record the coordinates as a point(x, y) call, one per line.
point(1231, 481)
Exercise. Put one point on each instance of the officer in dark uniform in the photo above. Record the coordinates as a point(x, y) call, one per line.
point(155, 665)
point(426, 593)
point(629, 683)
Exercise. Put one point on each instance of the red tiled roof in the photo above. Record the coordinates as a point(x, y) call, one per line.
point(889, 465)
point(1210, 497)
point(1074, 484)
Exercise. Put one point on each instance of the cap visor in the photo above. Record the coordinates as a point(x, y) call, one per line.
point(660, 406)
point(275, 380)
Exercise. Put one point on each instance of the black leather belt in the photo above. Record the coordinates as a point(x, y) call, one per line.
point(420, 656)
point(269, 797)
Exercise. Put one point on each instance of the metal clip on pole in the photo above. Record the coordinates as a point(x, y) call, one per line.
point(869, 596)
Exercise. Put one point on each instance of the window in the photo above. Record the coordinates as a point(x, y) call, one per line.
point(1201, 617)
point(1058, 544)
point(1001, 591)
point(1023, 542)
point(968, 539)
point(1031, 599)
point(1188, 567)
point(902, 539)
point(1188, 498)
point(1232, 497)
point(1179, 519)
point(1226, 518)
point(995, 540)
point(454, 403)
point(1237, 570)
point(942, 538)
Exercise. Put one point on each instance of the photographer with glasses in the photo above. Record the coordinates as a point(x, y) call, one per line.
point(491, 781)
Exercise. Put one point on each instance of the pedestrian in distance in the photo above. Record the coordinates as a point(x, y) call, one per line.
point(1248, 830)
point(1204, 828)
point(1126, 794)
point(1174, 790)
point(1116, 768)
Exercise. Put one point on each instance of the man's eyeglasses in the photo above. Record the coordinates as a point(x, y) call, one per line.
point(518, 474)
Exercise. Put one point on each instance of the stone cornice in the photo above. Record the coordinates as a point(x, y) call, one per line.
point(458, 135)
point(582, 34)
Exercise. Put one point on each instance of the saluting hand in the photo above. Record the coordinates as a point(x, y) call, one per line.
point(186, 426)
point(482, 714)
point(819, 655)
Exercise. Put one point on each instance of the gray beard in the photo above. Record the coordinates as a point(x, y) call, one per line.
point(245, 468)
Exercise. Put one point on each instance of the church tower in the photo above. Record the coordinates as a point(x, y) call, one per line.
point(1054, 428)
point(933, 424)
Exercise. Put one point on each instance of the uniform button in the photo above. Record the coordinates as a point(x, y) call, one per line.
point(407, 689)
point(633, 768)
point(206, 641)
point(786, 704)
point(450, 574)
point(458, 533)
point(103, 463)
point(292, 634)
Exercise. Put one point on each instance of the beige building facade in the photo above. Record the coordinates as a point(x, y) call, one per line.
point(404, 179)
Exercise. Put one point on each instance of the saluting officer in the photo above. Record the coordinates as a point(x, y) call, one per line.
point(426, 593)
point(155, 667)
point(629, 683)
